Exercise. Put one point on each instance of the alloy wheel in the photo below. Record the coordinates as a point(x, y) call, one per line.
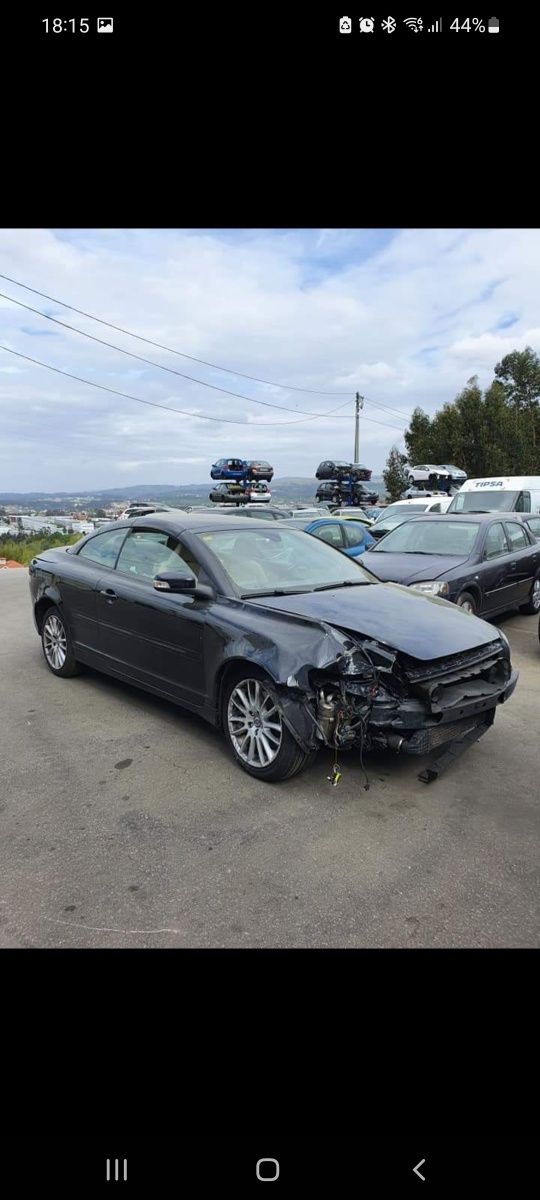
point(55, 642)
point(536, 595)
point(255, 725)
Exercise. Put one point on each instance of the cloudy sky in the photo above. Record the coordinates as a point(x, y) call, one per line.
point(403, 316)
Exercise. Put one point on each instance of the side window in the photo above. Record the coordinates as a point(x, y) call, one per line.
point(331, 534)
point(104, 547)
point(523, 502)
point(147, 552)
point(534, 526)
point(496, 543)
point(516, 536)
point(353, 533)
point(435, 508)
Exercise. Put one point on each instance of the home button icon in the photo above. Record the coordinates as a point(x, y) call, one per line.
point(267, 1170)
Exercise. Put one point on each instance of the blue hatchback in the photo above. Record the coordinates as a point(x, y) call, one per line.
point(229, 468)
point(350, 536)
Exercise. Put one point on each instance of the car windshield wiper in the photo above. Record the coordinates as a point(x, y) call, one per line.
point(323, 587)
point(276, 592)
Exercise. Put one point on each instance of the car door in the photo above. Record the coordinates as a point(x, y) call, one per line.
point(525, 558)
point(82, 573)
point(149, 636)
point(331, 532)
point(497, 578)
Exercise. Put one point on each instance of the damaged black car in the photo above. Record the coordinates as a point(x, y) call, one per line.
point(272, 635)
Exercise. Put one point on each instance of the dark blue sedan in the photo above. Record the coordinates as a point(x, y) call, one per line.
point(486, 563)
point(351, 537)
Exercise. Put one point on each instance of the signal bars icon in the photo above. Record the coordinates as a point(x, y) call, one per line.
point(437, 27)
point(116, 1168)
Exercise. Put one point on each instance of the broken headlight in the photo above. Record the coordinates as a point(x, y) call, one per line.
point(436, 587)
point(505, 642)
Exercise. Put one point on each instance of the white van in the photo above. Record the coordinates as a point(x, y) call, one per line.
point(502, 493)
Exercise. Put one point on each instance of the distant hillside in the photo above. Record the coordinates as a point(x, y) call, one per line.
point(293, 487)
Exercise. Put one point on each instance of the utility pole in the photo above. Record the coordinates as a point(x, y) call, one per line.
point(359, 405)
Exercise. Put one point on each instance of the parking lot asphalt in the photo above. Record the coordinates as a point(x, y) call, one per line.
point(125, 822)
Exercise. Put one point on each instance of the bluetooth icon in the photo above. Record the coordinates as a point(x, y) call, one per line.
point(389, 25)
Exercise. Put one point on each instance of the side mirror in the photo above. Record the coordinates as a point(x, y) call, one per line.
point(173, 581)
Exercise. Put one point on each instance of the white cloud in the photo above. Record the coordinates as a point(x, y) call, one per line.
point(405, 319)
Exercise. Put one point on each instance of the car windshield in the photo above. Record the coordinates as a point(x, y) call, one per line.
point(395, 514)
point(480, 501)
point(271, 561)
point(430, 537)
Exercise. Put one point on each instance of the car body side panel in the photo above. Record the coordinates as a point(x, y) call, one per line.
point(153, 637)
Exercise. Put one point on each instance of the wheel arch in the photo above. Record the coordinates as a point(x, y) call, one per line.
point(474, 590)
point(51, 597)
point(230, 667)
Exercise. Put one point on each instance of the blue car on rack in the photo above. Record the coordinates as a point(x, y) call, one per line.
point(229, 468)
point(350, 536)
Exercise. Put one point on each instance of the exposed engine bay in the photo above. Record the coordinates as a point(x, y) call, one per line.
point(374, 697)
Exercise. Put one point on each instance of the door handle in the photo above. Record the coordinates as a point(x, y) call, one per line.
point(513, 566)
point(109, 594)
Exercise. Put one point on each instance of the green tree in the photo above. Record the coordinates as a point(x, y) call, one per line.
point(418, 438)
point(519, 372)
point(394, 474)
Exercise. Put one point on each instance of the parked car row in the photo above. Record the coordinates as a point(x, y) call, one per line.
point(484, 563)
point(241, 468)
point(284, 642)
point(240, 493)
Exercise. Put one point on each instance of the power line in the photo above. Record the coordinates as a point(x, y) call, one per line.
point(373, 421)
point(215, 366)
point(154, 404)
point(180, 353)
point(183, 412)
point(171, 370)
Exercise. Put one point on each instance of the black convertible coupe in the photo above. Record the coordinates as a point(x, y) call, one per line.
point(273, 635)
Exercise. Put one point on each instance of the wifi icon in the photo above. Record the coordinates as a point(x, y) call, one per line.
point(414, 23)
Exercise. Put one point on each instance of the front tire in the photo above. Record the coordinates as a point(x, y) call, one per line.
point(57, 645)
point(532, 608)
point(468, 602)
point(255, 731)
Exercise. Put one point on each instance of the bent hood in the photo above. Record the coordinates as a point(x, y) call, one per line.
point(425, 627)
point(407, 568)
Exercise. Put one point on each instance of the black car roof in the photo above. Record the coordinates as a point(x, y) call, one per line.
point(178, 522)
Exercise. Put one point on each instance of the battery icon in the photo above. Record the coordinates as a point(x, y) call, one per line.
point(493, 25)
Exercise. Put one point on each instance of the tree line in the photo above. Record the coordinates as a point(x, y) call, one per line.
point(496, 431)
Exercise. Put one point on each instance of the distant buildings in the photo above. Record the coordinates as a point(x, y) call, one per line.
point(24, 523)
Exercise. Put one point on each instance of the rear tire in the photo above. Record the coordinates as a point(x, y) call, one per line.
point(532, 607)
point(57, 644)
point(255, 731)
point(468, 602)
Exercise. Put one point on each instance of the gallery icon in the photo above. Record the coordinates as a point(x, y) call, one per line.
point(105, 24)
point(345, 25)
point(367, 24)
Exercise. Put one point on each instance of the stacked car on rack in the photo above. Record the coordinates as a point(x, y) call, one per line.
point(243, 481)
point(344, 483)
